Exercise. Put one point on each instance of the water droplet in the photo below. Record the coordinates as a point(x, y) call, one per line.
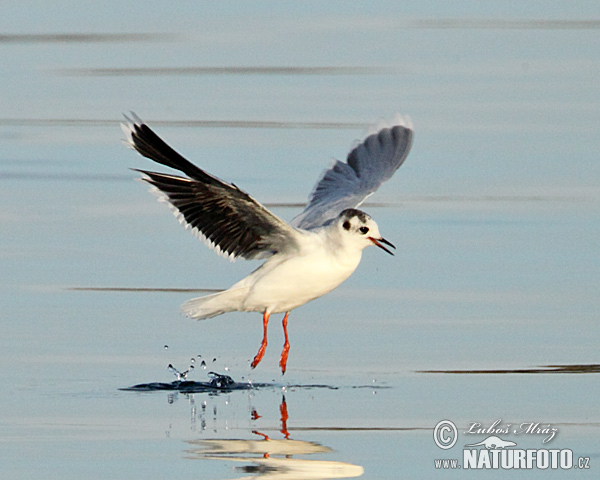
point(226, 369)
point(203, 364)
point(193, 360)
point(166, 347)
point(214, 360)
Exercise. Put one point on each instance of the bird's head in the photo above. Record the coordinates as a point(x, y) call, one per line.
point(361, 230)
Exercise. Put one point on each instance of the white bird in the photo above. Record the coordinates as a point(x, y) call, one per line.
point(306, 258)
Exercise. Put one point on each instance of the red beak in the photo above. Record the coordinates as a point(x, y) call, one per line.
point(379, 241)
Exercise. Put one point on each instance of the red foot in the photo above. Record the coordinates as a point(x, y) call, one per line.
point(284, 357)
point(254, 415)
point(284, 418)
point(258, 357)
point(264, 435)
point(263, 345)
point(286, 346)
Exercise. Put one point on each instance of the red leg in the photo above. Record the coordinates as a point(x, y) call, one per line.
point(284, 418)
point(256, 432)
point(286, 345)
point(263, 345)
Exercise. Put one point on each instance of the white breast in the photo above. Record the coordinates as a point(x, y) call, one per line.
point(286, 282)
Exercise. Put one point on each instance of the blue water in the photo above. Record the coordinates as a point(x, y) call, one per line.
point(495, 215)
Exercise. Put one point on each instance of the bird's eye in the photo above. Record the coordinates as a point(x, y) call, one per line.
point(364, 230)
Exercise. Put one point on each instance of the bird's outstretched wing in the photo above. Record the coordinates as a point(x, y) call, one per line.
point(348, 184)
point(229, 220)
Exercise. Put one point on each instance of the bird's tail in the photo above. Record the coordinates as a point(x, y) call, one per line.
point(210, 306)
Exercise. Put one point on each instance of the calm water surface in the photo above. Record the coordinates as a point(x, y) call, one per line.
point(488, 312)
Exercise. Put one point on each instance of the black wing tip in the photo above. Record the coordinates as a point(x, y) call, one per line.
point(141, 138)
point(132, 126)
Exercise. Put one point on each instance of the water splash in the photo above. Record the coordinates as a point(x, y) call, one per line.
point(180, 375)
point(220, 381)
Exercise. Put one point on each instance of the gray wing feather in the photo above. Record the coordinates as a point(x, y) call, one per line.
point(348, 184)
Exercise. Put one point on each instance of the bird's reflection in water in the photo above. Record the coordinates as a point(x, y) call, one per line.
point(272, 458)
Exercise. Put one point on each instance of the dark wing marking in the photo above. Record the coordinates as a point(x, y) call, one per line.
point(348, 184)
point(228, 219)
point(142, 138)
